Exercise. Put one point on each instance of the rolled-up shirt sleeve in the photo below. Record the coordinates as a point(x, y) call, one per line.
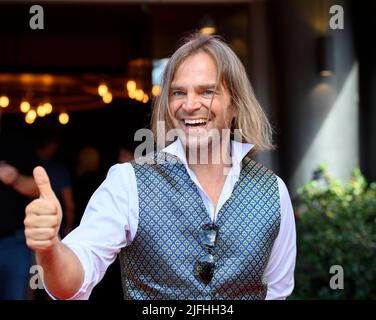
point(279, 272)
point(106, 226)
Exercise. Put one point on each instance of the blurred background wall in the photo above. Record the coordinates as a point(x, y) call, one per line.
point(316, 118)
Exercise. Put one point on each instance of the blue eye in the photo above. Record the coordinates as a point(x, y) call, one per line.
point(177, 93)
point(208, 92)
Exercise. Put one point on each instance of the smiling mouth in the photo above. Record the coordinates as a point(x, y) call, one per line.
point(195, 122)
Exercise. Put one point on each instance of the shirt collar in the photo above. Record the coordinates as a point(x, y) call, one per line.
point(239, 151)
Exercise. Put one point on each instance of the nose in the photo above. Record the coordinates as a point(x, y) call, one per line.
point(191, 104)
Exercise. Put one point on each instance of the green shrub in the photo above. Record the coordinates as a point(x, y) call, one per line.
point(336, 225)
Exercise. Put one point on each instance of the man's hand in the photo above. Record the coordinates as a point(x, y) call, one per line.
point(43, 215)
point(8, 173)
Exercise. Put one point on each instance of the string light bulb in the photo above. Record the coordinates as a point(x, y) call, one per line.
point(156, 90)
point(47, 107)
point(131, 85)
point(145, 98)
point(107, 98)
point(25, 106)
point(41, 111)
point(132, 94)
point(29, 120)
point(63, 118)
point(102, 89)
point(30, 116)
point(4, 101)
point(139, 94)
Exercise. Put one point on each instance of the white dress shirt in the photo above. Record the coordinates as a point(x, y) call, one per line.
point(111, 218)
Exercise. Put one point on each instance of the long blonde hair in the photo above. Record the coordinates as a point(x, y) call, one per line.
point(251, 119)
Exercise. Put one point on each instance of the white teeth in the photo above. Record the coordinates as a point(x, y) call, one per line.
point(187, 121)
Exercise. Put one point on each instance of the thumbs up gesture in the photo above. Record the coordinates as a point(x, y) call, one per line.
point(43, 215)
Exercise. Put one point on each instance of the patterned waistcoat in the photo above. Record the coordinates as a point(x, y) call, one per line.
point(159, 263)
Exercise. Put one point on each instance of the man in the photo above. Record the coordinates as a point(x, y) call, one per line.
point(221, 228)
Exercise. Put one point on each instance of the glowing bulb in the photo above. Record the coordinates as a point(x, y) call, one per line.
point(4, 101)
point(63, 118)
point(208, 30)
point(102, 89)
point(139, 94)
point(107, 98)
point(41, 111)
point(25, 106)
point(30, 116)
point(29, 120)
point(145, 99)
point(156, 90)
point(131, 85)
point(132, 94)
point(47, 107)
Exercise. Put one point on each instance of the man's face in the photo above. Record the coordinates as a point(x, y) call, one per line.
point(191, 93)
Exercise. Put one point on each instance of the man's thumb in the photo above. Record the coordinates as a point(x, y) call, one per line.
point(43, 183)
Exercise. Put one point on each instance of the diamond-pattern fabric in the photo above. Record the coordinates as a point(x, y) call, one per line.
point(159, 263)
